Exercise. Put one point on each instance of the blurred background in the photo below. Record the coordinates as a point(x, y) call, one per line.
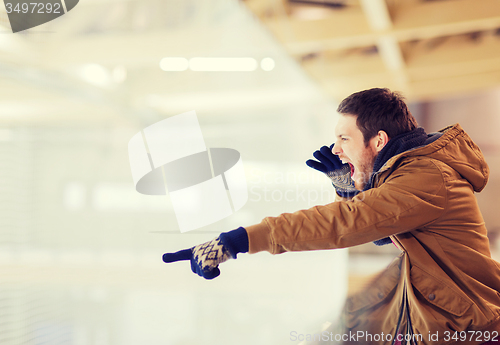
point(80, 249)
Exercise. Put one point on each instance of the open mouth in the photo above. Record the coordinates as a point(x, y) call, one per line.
point(352, 169)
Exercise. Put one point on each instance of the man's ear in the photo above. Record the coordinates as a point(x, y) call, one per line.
point(381, 139)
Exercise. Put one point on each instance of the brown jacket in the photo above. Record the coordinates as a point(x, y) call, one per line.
point(444, 280)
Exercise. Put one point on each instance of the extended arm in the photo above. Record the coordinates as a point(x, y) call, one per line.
point(396, 206)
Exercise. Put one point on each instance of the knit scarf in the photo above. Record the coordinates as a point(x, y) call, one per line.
point(399, 144)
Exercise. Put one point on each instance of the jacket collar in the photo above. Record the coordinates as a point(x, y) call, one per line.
point(397, 145)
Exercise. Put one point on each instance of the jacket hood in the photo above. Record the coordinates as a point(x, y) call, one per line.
point(455, 148)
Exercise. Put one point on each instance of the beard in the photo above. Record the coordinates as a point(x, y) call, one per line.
point(365, 169)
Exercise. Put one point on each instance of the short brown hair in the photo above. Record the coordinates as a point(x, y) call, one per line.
point(379, 109)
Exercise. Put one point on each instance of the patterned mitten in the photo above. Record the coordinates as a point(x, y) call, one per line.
point(332, 166)
point(205, 258)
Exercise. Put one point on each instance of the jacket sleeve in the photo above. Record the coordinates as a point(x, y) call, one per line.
point(411, 197)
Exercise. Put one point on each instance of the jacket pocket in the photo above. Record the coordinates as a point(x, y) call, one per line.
point(438, 293)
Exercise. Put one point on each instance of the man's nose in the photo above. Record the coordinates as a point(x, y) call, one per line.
point(336, 149)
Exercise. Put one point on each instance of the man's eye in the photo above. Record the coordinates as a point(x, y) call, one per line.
point(343, 139)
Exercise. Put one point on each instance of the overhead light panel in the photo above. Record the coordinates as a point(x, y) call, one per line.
point(174, 64)
point(214, 64)
point(267, 64)
point(95, 74)
point(223, 64)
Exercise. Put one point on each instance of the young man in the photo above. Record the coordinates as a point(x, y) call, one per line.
point(395, 184)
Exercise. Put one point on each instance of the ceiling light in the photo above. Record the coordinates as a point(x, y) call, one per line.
point(95, 74)
point(174, 64)
point(267, 64)
point(223, 64)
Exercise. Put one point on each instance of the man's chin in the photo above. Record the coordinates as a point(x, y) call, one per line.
point(360, 185)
